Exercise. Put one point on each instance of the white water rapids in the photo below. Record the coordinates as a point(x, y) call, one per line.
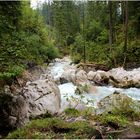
point(68, 94)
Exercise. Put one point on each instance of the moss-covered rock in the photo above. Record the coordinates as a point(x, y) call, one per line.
point(55, 128)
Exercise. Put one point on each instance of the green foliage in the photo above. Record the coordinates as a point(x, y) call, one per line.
point(25, 38)
point(13, 72)
point(52, 52)
point(77, 49)
point(132, 54)
point(87, 113)
point(96, 35)
point(8, 22)
point(65, 20)
point(121, 114)
point(103, 37)
point(82, 89)
point(24, 44)
point(127, 108)
point(136, 129)
point(111, 118)
point(93, 30)
point(97, 53)
point(54, 128)
point(78, 23)
point(72, 112)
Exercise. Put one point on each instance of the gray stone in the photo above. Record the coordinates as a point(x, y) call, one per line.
point(81, 78)
point(125, 79)
point(14, 110)
point(42, 95)
point(12, 121)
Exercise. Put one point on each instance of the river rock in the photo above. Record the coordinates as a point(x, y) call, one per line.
point(114, 100)
point(81, 78)
point(42, 95)
point(99, 77)
point(37, 98)
point(14, 111)
point(91, 75)
point(125, 79)
point(69, 75)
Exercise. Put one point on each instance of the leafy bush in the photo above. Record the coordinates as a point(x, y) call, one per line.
point(107, 119)
point(13, 72)
point(77, 49)
point(93, 30)
point(52, 52)
point(97, 53)
point(127, 108)
point(29, 43)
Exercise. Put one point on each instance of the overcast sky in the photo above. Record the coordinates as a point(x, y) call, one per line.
point(35, 2)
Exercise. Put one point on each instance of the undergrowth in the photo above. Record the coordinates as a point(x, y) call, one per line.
point(54, 128)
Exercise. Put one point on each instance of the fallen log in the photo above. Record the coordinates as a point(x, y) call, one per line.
point(133, 136)
point(95, 66)
point(117, 131)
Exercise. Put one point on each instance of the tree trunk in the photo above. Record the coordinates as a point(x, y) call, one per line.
point(84, 47)
point(125, 32)
point(126, 26)
point(110, 24)
point(111, 40)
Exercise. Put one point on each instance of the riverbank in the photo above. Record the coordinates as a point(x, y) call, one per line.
point(61, 86)
point(74, 124)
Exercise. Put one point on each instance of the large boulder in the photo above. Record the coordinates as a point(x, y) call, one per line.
point(116, 99)
point(117, 77)
point(81, 78)
point(99, 77)
point(125, 79)
point(78, 77)
point(91, 75)
point(42, 95)
point(69, 75)
point(14, 111)
point(37, 98)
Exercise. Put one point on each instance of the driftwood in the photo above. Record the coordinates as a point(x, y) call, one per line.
point(117, 131)
point(95, 66)
point(133, 136)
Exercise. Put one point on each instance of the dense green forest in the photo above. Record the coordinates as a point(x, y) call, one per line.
point(100, 32)
point(24, 39)
point(69, 69)
point(91, 31)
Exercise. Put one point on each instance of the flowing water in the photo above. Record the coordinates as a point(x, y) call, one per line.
point(68, 94)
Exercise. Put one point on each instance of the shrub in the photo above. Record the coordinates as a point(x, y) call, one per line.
point(52, 52)
point(118, 120)
point(29, 43)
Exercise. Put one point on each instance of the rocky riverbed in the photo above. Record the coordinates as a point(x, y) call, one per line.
point(63, 85)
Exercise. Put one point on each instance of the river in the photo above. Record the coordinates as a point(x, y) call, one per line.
point(68, 94)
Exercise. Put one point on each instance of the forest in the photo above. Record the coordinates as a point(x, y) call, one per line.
point(103, 32)
point(70, 69)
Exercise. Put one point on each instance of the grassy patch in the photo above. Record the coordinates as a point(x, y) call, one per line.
point(115, 121)
point(129, 109)
point(136, 129)
point(72, 112)
point(54, 128)
point(86, 113)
